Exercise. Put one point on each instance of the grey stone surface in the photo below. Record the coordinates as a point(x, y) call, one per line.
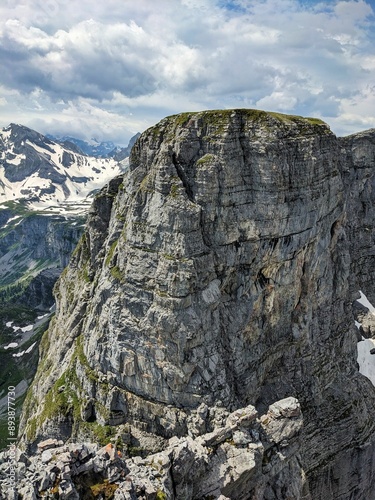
point(358, 175)
point(232, 466)
point(221, 270)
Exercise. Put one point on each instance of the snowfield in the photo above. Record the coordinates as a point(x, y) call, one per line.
point(59, 176)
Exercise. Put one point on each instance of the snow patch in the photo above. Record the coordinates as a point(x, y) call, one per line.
point(366, 360)
point(41, 317)
point(12, 345)
point(17, 160)
point(11, 220)
point(18, 354)
point(6, 133)
point(27, 328)
point(29, 349)
point(365, 302)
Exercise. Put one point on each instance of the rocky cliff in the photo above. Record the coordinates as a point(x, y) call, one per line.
point(358, 174)
point(220, 272)
point(31, 242)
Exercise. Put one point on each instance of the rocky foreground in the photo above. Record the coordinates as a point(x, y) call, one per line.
point(245, 457)
point(219, 272)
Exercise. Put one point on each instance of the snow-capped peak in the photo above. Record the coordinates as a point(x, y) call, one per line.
point(42, 171)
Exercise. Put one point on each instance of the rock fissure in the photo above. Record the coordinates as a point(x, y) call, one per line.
point(183, 177)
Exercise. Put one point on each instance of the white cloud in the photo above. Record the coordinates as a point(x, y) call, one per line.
point(118, 65)
point(277, 101)
point(357, 111)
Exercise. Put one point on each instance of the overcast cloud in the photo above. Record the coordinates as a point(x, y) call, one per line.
point(110, 69)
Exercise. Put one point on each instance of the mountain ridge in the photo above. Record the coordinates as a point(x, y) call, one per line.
point(190, 294)
point(106, 149)
point(39, 170)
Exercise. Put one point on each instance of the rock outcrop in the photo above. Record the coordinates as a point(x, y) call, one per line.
point(220, 271)
point(247, 457)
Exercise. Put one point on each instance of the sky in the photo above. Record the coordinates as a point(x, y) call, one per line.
point(107, 70)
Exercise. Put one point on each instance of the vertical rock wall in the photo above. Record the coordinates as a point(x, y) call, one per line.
point(358, 173)
point(218, 271)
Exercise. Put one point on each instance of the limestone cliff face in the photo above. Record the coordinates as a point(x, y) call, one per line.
point(358, 174)
point(220, 271)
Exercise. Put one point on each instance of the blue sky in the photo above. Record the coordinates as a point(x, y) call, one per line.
point(110, 69)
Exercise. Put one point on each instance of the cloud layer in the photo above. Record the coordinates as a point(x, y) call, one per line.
point(112, 69)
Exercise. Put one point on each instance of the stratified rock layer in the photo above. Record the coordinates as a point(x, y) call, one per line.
point(219, 271)
point(358, 165)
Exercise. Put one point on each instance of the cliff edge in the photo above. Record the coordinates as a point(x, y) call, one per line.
point(220, 272)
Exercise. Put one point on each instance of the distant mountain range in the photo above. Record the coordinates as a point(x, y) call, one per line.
point(94, 148)
point(106, 149)
point(47, 173)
